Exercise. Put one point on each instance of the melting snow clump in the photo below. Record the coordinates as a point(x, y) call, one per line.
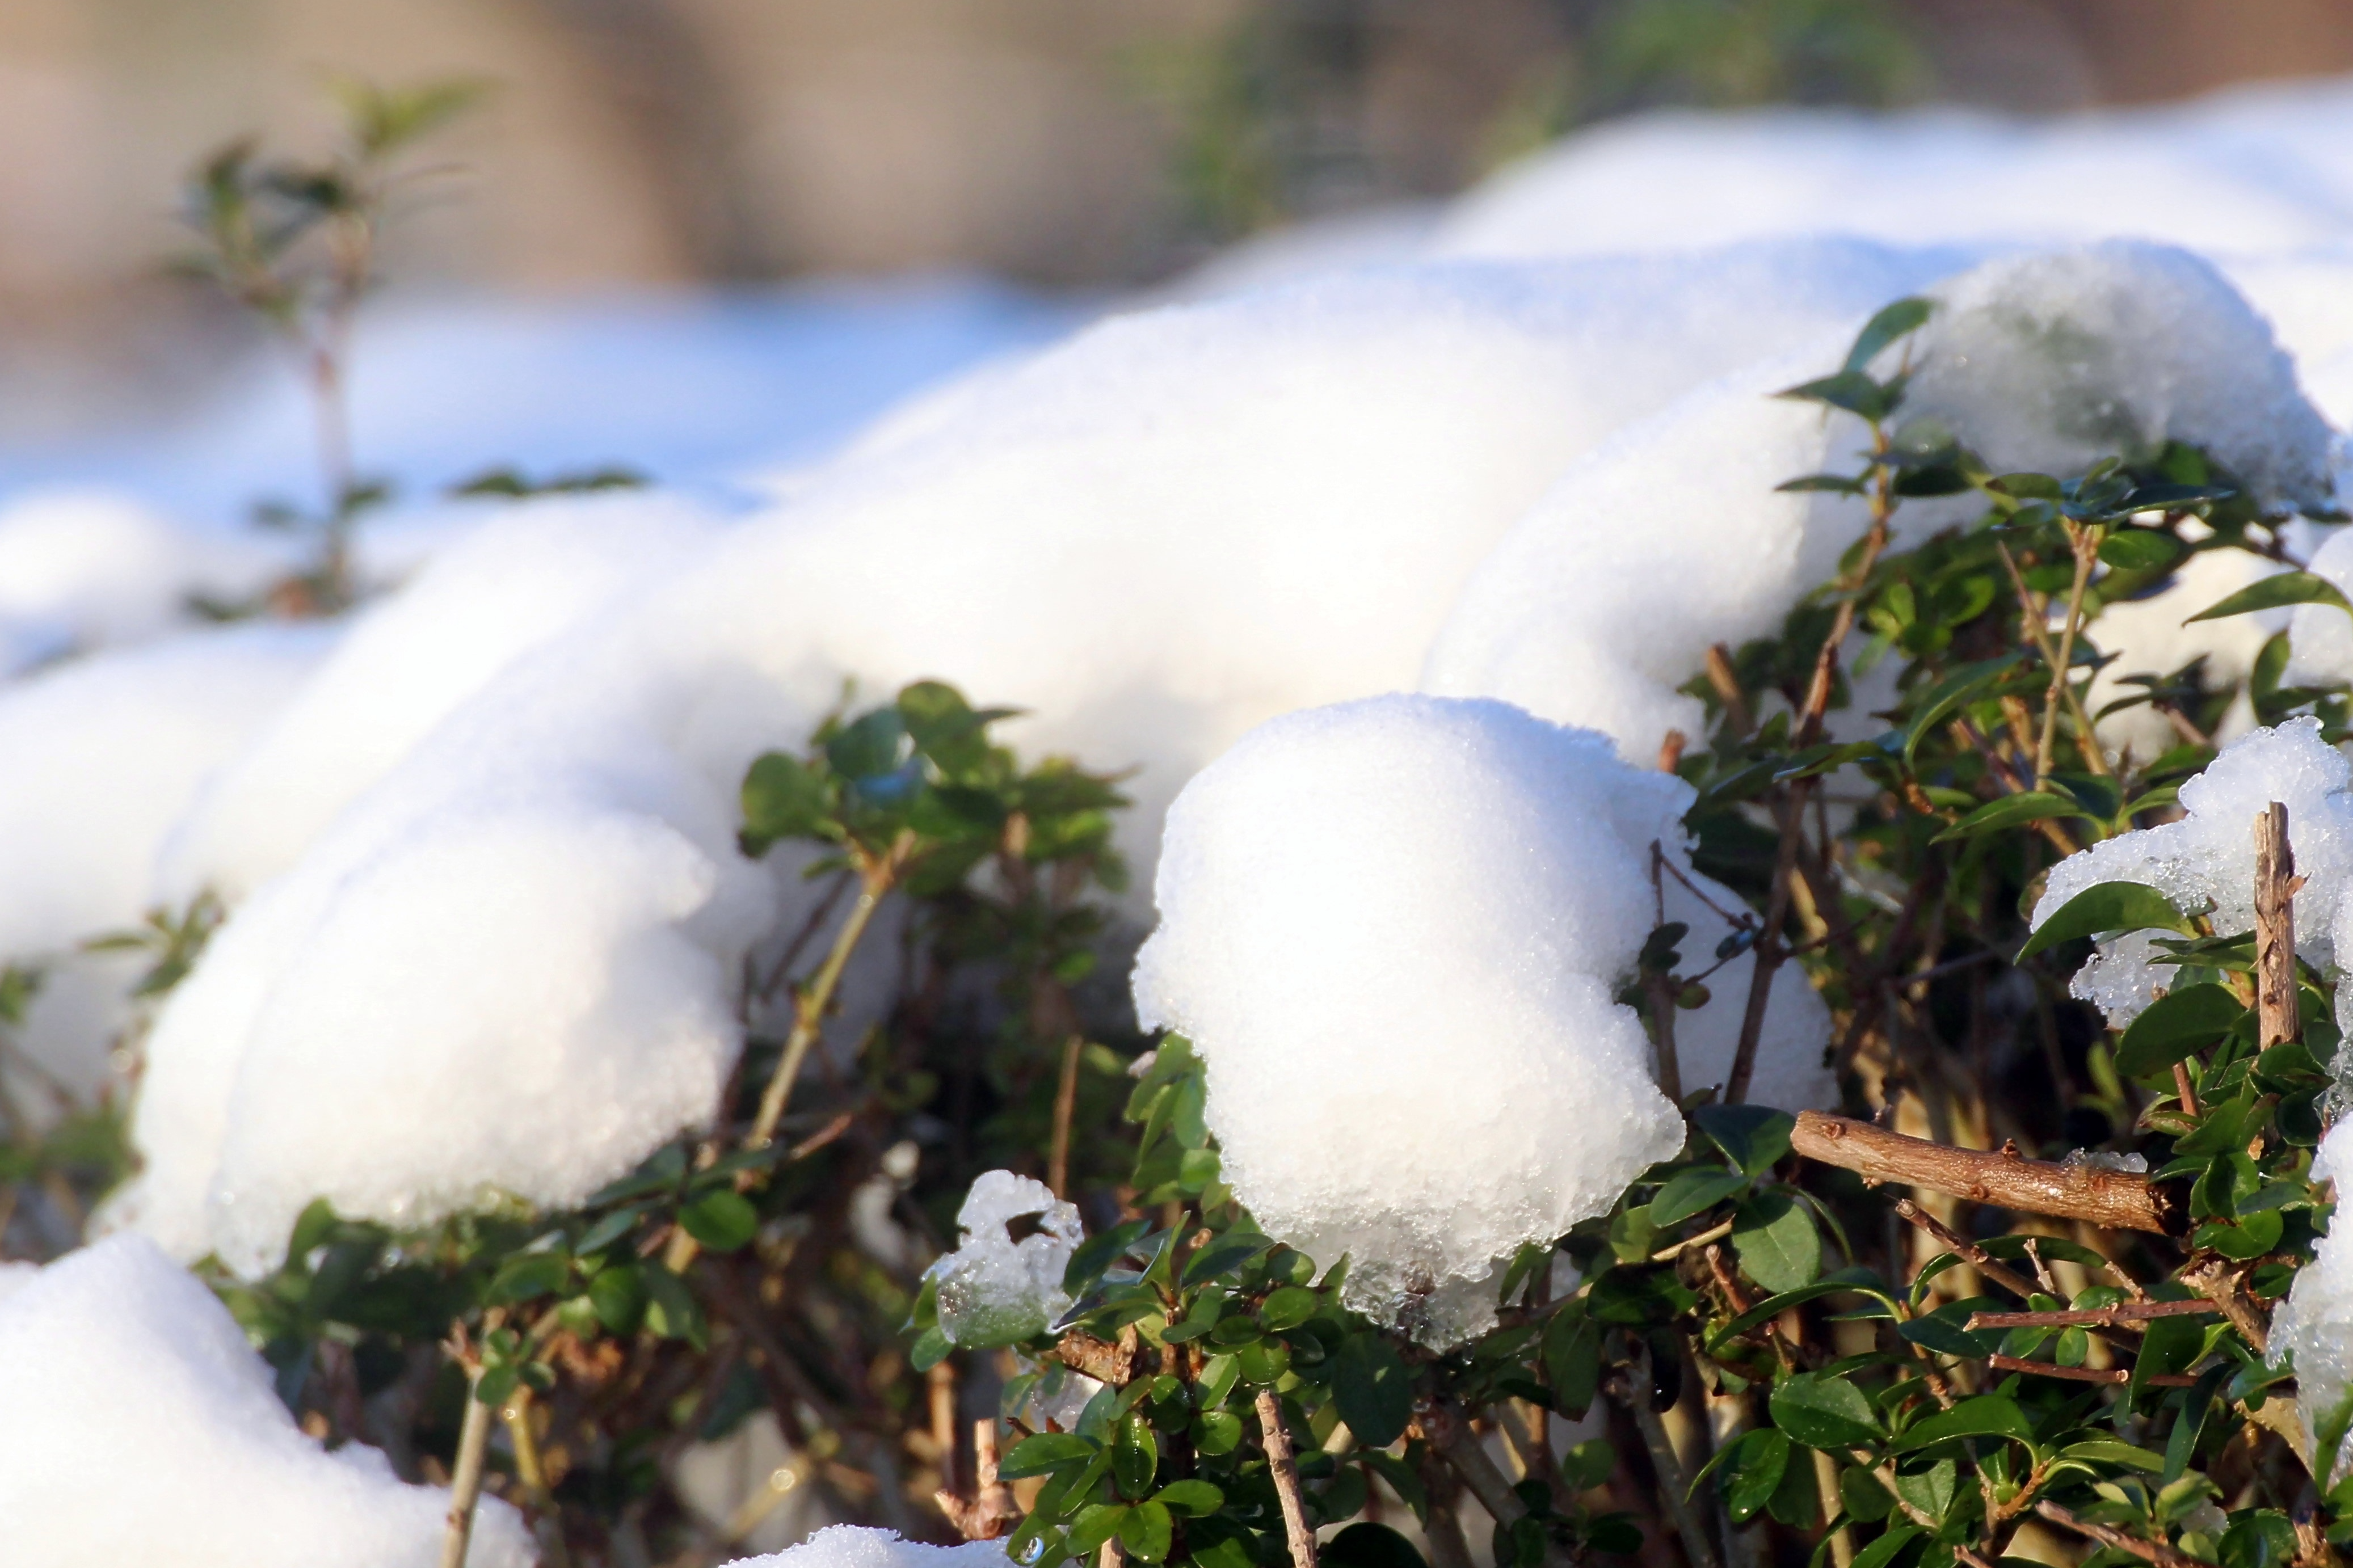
point(2207, 857)
point(2315, 1322)
point(994, 1290)
point(1394, 930)
point(860, 1546)
point(160, 1438)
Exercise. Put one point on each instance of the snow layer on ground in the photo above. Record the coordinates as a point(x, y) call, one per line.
point(2315, 1324)
point(860, 1546)
point(2208, 858)
point(1167, 531)
point(85, 568)
point(996, 1291)
point(144, 1429)
point(540, 568)
point(98, 760)
point(2211, 175)
point(1394, 930)
point(1670, 536)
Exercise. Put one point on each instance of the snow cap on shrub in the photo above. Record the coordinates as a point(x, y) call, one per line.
point(2315, 1324)
point(2208, 858)
point(143, 1428)
point(861, 1546)
point(1172, 528)
point(1394, 930)
point(1671, 536)
point(993, 1290)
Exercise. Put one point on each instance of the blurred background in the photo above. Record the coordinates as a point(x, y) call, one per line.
point(1052, 145)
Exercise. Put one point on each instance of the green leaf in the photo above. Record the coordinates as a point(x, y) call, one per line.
point(1263, 1362)
point(2271, 593)
point(527, 1277)
point(1752, 1472)
point(618, 1296)
point(1694, 1192)
point(1864, 1498)
point(2177, 1025)
point(1134, 1456)
point(671, 1311)
point(1776, 1242)
point(1987, 1416)
point(2140, 548)
point(1365, 1544)
point(1224, 1255)
point(1373, 1390)
point(1572, 1361)
point(2113, 1451)
point(1753, 1137)
point(1884, 1551)
point(1963, 686)
point(1288, 1308)
point(1146, 1531)
point(1217, 1432)
point(870, 748)
point(932, 1347)
point(723, 1220)
point(1096, 1523)
point(1852, 390)
point(2010, 810)
point(781, 799)
point(1899, 320)
point(1044, 1453)
point(1929, 1490)
point(1823, 1411)
point(2105, 909)
point(1192, 1498)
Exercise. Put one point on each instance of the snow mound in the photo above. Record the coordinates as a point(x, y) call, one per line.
point(860, 1546)
point(2315, 1324)
point(1394, 930)
point(2207, 857)
point(993, 1290)
point(159, 1438)
point(1670, 536)
point(98, 760)
point(540, 568)
point(1151, 538)
point(1679, 179)
point(85, 568)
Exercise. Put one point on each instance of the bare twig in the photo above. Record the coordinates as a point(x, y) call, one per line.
point(2275, 886)
point(2155, 1551)
point(466, 1476)
point(1279, 1463)
point(1631, 1389)
point(2103, 1316)
point(1066, 1102)
point(992, 1513)
point(2115, 1374)
point(1102, 1359)
point(1727, 690)
point(2116, 1199)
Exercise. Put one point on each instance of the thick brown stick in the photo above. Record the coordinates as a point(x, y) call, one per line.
point(2101, 1316)
point(2155, 1551)
point(2115, 1199)
point(1295, 1527)
point(2275, 886)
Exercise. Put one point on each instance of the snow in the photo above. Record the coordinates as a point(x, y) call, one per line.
point(1226, 511)
point(1670, 536)
point(2207, 857)
point(97, 759)
point(1394, 929)
point(859, 1546)
point(2315, 1324)
point(533, 572)
point(83, 568)
point(146, 1430)
point(993, 1290)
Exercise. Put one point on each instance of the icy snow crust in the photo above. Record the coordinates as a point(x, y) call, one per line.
point(1670, 536)
point(860, 1546)
point(1232, 510)
point(2315, 1324)
point(1394, 929)
point(2208, 858)
point(992, 1288)
point(143, 1428)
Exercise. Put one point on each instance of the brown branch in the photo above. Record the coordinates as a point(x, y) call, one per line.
point(1066, 1100)
point(1102, 1360)
point(2103, 1317)
point(1975, 1255)
point(1631, 1389)
point(1727, 690)
point(2116, 1374)
point(2275, 886)
point(992, 1513)
point(2155, 1551)
point(2116, 1199)
point(2219, 1282)
point(1302, 1535)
